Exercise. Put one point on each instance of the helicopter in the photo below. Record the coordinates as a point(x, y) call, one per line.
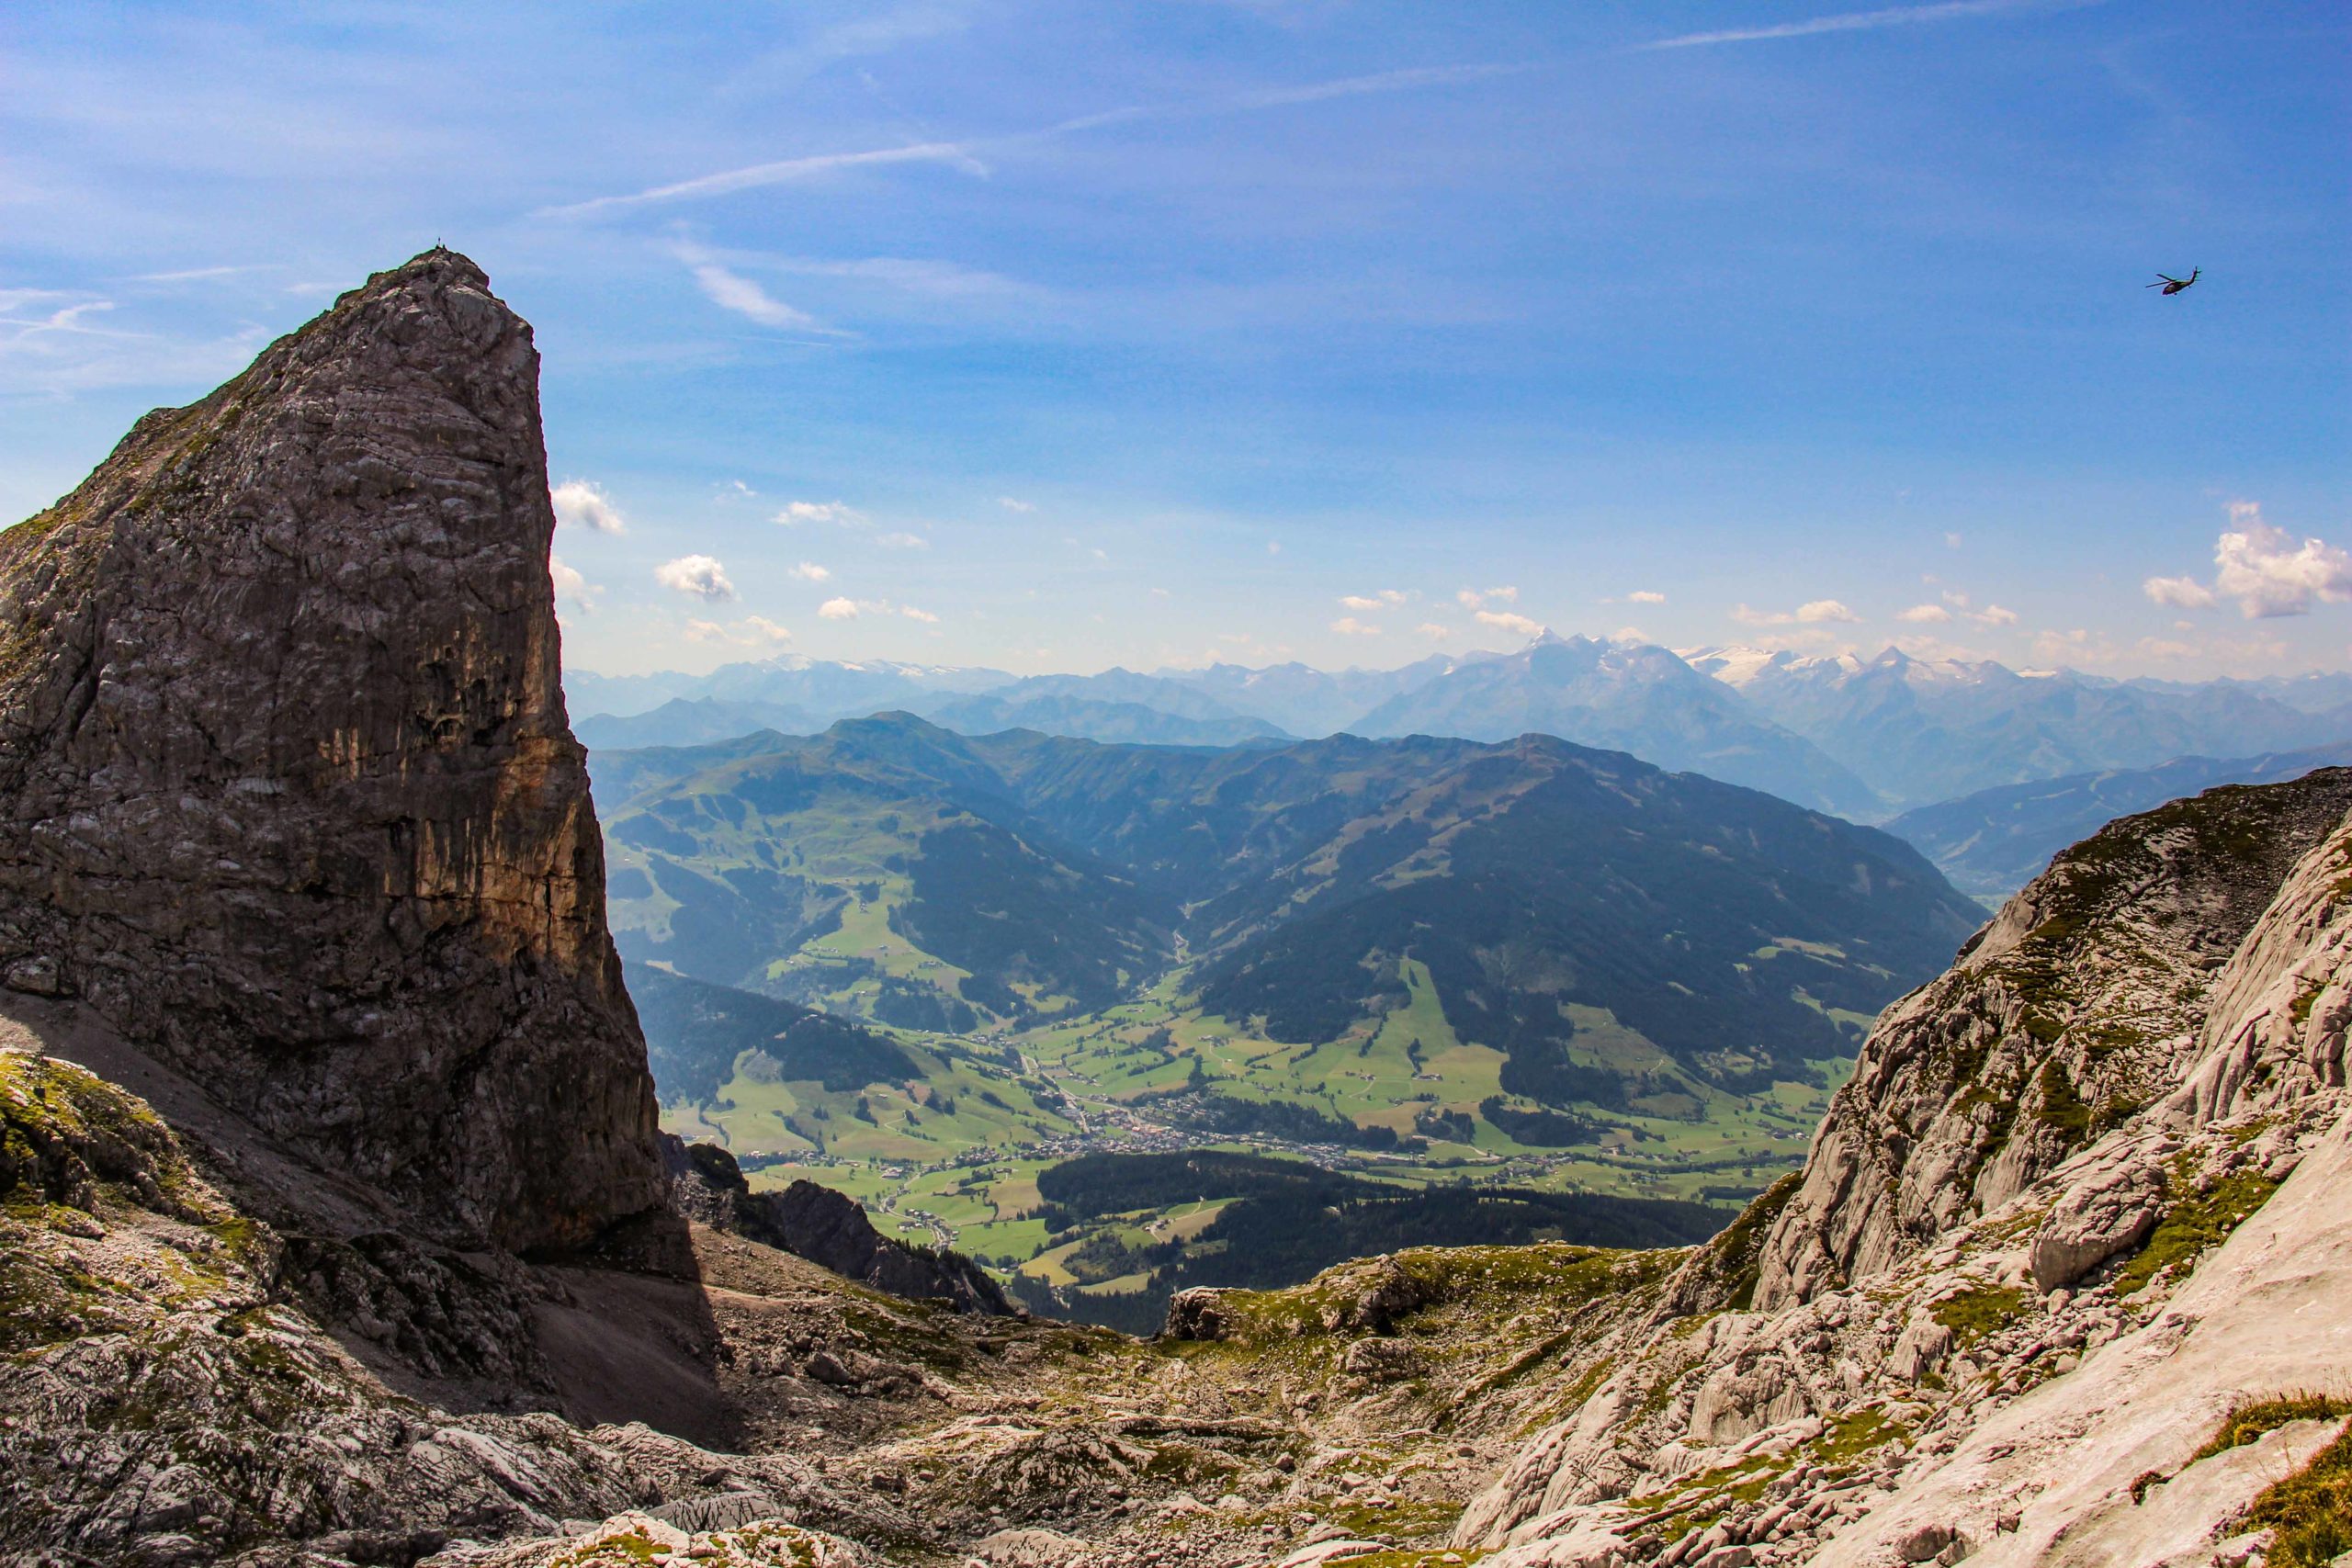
point(2171, 285)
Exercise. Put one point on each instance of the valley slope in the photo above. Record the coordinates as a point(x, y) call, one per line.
point(1527, 961)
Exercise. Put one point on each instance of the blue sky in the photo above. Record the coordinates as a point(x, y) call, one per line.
point(1066, 336)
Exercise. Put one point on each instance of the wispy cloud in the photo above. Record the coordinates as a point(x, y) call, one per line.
point(730, 290)
point(1857, 21)
point(966, 156)
point(796, 513)
point(1510, 621)
point(1813, 611)
point(1405, 81)
point(199, 274)
point(751, 631)
point(782, 171)
point(810, 571)
point(1471, 598)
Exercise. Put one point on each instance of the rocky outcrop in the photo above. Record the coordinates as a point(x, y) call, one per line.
point(828, 1228)
point(287, 790)
point(2040, 1365)
point(2079, 1005)
point(162, 1402)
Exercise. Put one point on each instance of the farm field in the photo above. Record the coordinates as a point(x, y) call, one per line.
point(953, 1156)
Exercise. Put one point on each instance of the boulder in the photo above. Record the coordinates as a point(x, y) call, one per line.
point(2107, 1213)
point(1197, 1313)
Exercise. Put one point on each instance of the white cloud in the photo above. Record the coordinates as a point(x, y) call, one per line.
point(1812, 613)
point(810, 571)
point(1803, 640)
point(837, 609)
point(751, 631)
point(1510, 621)
point(1925, 615)
point(783, 171)
point(902, 541)
point(2268, 573)
point(2265, 570)
point(582, 505)
point(571, 585)
point(698, 577)
point(1432, 631)
point(1351, 627)
point(733, 291)
point(914, 615)
point(1952, 541)
point(1014, 503)
point(1990, 615)
point(1846, 22)
point(1644, 596)
point(796, 513)
point(1384, 599)
point(2180, 593)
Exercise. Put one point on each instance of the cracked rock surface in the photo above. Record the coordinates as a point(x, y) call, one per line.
point(287, 789)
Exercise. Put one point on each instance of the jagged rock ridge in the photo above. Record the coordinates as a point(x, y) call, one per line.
point(2010, 1309)
point(286, 791)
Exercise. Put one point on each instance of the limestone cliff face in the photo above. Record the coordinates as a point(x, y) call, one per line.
point(287, 789)
point(2087, 1198)
point(2080, 1004)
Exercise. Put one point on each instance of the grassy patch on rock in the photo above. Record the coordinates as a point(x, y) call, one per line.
point(2247, 1422)
point(2194, 1224)
point(1972, 1315)
point(2310, 1511)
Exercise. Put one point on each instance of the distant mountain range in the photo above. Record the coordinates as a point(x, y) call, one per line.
point(1995, 842)
point(1925, 730)
point(1598, 922)
point(1861, 739)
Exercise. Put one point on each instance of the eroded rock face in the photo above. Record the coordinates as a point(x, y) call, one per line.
point(2081, 1004)
point(287, 789)
point(828, 1228)
point(2000, 1323)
